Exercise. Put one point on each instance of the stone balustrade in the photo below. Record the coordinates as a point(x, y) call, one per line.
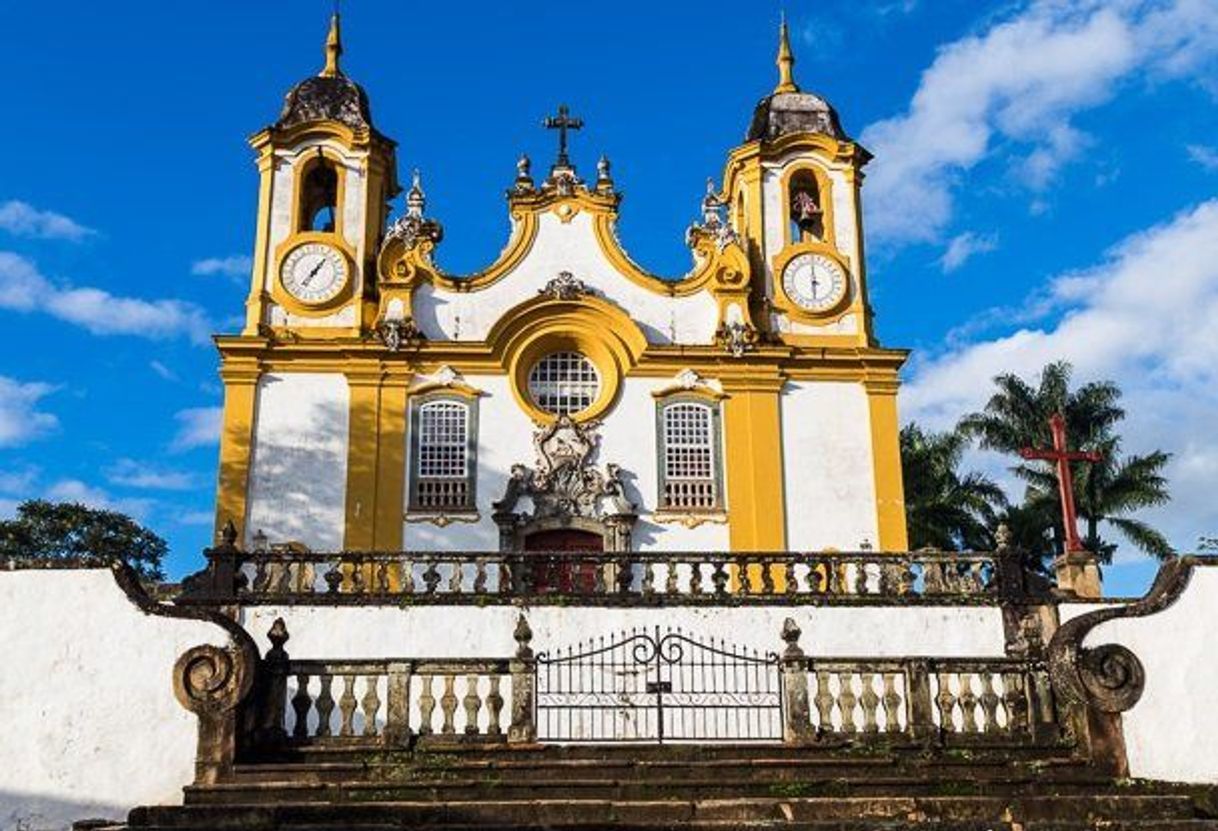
point(612, 578)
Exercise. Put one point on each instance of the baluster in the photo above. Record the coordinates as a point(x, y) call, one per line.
point(325, 705)
point(824, 702)
point(789, 583)
point(989, 703)
point(670, 582)
point(333, 578)
point(505, 577)
point(1015, 702)
point(371, 703)
point(695, 577)
point(648, 578)
point(892, 703)
point(380, 576)
point(859, 583)
point(431, 577)
point(932, 577)
point(472, 704)
point(846, 699)
point(283, 577)
point(301, 703)
point(448, 705)
point(346, 707)
point(946, 702)
point(968, 702)
point(767, 576)
point(871, 702)
point(600, 579)
point(262, 576)
point(427, 705)
point(480, 575)
point(719, 577)
point(306, 578)
point(358, 583)
point(454, 582)
point(407, 576)
point(494, 706)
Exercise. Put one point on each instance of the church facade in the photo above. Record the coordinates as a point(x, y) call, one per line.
point(563, 396)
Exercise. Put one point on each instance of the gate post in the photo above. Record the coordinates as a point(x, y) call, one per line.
point(797, 720)
point(523, 729)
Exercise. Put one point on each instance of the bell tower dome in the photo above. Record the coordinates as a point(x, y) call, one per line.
point(793, 190)
point(326, 178)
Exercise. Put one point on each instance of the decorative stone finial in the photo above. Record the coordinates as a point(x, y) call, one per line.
point(790, 634)
point(786, 61)
point(278, 636)
point(524, 179)
point(603, 180)
point(524, 636)
point(416, 200)
point(228, 535)
point(334, 49)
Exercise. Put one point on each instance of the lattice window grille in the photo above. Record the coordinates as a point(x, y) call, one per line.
point(564, 383)
point(442, 470)
point(689, 457)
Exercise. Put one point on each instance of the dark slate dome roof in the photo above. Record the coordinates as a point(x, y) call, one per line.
point(783, 113)
point(322, 98)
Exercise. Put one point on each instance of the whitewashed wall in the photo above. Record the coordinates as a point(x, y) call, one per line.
point(1171, 733)
point(486, 632)
point(91, 725)
point(828, 472)
point(570, 246)
point(505, 438)
point(298, 479)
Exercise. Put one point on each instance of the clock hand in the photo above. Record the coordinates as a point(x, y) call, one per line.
point(308, 279)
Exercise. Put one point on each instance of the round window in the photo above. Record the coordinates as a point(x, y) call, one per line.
point(564, 383)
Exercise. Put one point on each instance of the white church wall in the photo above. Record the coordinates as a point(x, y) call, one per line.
point(298, 479)
point(828, 478)
point(91, 724)
point(1171, 732)
point(472, 631)
point(569, 246)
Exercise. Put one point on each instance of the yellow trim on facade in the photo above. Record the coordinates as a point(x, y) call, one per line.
point(753, 463)
point(391, 463)
point(364, 384)
point(240, 377)
point(886, 459)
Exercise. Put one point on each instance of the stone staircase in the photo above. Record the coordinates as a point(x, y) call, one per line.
point(676, 787)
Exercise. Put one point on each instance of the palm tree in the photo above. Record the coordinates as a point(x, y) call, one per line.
point(1017, 416)
point(944, 509)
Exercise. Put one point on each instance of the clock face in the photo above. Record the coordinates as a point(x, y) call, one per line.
point(314, 272)
point(814, 282)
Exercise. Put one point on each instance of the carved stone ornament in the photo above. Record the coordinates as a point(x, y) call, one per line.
point(564, 482)
point(210, 679)
point(565, 287)
point(737, 338)
point(714, 225)
point(413, 227)
point(398, 333)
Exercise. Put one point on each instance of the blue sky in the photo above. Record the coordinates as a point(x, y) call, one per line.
point(1045, 186)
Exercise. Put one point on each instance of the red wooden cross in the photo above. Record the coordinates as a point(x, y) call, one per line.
point(1062, 457)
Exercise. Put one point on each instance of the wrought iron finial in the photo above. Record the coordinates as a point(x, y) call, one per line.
point(786, 61)
point(562, 122)
point(334, 48)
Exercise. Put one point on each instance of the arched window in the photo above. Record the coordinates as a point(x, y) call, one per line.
point(690, 478)
point(806, 209)
point(442, 452)
point(319, 197)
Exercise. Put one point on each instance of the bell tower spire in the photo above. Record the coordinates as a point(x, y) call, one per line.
point(334, 48)
point(785, 61)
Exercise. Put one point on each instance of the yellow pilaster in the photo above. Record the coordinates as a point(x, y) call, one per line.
point(262, 233)
point(391, 464)
point(753, 464)
point(240, 377)
point(364, 383)
point(886, 459)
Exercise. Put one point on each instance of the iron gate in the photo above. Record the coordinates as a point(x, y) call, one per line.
point(655, 686)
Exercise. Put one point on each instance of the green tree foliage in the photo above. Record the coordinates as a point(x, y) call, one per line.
point(1108, 491)
point(945, 509)
point(67, 530)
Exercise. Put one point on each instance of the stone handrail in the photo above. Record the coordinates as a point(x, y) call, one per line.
point(611, 578)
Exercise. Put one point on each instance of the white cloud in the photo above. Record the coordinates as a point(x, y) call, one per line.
point(24, 220)
point(963, 247)
point(196, 518)
point(20, 419)
point(18, 482)
point(234, 266)
point(1143, 318)
point(132, 474)
point(197, 427)
point(23, 288)
point(1205, 156)
point(74, 490)
point(163, 371)
point(1016, 85)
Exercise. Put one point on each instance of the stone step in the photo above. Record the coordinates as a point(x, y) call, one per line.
point(1047, 812)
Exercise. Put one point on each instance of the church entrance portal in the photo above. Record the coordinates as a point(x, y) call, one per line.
point(564, 539)
point(559, 575)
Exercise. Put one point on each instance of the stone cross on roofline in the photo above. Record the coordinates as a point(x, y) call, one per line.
point(562, 122)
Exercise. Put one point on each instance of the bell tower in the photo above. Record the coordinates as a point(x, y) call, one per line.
point(326, 178)
point(793, 193)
